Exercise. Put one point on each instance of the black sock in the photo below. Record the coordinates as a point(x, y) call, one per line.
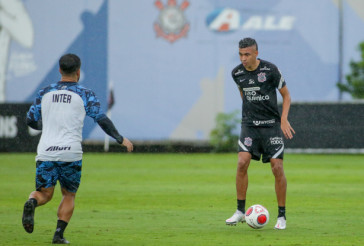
point(282, 212)
point(61, 226)
point(241, 205)
point(34, 201)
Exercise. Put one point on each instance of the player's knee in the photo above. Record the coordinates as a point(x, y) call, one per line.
point(47, 196)
point(277, 170)
point(43, 195)
point(67, 193)
point(243, 165)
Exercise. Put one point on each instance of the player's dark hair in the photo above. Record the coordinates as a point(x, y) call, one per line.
point(69, 63)
point(248, 42)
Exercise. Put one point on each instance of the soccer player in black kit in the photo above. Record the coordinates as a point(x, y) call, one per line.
point(262, 125)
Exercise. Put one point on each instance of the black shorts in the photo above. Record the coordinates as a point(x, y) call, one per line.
point(258, 141)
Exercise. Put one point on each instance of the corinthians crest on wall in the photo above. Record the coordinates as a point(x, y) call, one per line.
point(171, 24)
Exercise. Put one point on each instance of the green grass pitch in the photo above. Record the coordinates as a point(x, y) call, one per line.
point(184, 199)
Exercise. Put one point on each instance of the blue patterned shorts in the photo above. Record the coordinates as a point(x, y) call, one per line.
point(68, 174)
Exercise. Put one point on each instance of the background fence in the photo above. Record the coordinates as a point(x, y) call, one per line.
point(320, 127)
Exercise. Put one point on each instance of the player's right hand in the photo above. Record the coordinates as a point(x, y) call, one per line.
point(129, 146)
point(287, 129)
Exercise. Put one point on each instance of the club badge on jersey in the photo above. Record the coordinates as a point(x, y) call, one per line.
point(261, 77)
point(248, 141)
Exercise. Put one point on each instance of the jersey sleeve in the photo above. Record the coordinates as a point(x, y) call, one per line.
point(233, 75)
point(108, 127)
point(279, 80)
point(35, 112)
point(92, 106)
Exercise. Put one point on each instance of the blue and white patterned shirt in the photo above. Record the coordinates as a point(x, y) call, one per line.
point(62, 108)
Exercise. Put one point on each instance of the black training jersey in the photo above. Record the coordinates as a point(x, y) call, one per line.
point(259, 93)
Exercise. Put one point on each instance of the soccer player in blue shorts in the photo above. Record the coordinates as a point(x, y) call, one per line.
point(262, 125)
point(59, 111)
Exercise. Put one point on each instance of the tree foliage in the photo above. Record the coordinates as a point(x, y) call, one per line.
point(223, 137)
point(355, 80)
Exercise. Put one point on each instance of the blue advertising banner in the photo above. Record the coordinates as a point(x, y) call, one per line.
point(169, 62)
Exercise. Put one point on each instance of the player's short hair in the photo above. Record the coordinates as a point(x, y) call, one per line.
point(248, 42)
point(69, 63)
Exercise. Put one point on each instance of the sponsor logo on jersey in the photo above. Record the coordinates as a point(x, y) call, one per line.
point(225, 20)
point(251, 94)
point(57, 148)
point(248, 141)
point(239, 72)
point(263, 122)
point(261, 77)
point(251, 89)
point(171, 24)
point(265, 68)
point(251, 81)
point(276, 140)
point(257, 98)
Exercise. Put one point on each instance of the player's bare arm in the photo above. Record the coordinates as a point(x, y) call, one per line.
point(287, 130)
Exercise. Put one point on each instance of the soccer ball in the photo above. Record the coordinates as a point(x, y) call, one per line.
point(257, 216)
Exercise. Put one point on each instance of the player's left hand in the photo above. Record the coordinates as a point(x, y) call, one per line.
point(128, 144)
point(287, 129)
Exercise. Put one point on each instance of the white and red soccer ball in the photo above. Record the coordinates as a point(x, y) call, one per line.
point(257, 216)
